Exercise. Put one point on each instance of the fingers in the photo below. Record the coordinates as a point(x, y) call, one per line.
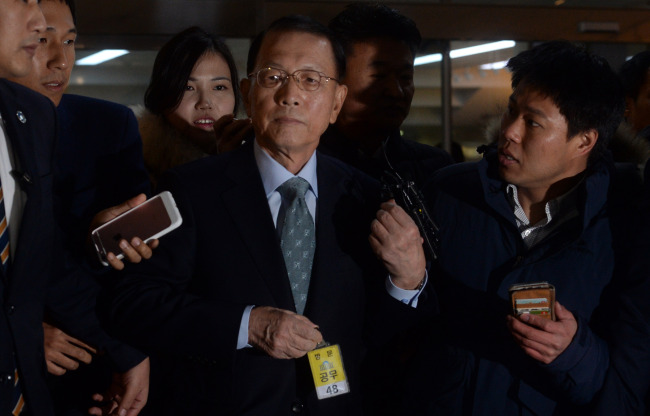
point(134, 252)
point(114, 262)
point(527, 323)
point(54, 369)
point(391, 221)
point(400, 217)
point(95, 411)
point(306, 330)
point(79, 349)
point(109, 214)
point(530, 346)
point(134, 400)
point(385, 222)
point(230, 133)
point(562, 313)
point(136, 389)
point(541, 338)
point(220, 124)
point(112, 212)
point(282, 334)
point(106, 405)
point(131, 203)
point(63, 352)
point(396, 241)
point(127, 394)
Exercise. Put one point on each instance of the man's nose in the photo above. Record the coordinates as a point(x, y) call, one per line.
point(288, 93)
point(393, 86)
point(512, 129)
point(58, 58)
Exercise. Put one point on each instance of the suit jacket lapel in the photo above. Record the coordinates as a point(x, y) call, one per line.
point(19, 134)
point(332, 213)
point(246, 202)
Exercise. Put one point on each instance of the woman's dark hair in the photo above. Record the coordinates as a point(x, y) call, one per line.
point(174, 64)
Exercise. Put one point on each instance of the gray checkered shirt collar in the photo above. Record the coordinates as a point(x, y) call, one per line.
point(558, 211)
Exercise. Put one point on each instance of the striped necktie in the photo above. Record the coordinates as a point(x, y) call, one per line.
point(18, 401)
point(4, 234)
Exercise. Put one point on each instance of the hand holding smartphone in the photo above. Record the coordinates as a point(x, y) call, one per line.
point(534, 298)
point(152, 219)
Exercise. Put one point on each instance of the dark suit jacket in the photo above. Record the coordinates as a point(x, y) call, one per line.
point(414, 161)
point(30, 284)
point(187, 301)
point(98, 163)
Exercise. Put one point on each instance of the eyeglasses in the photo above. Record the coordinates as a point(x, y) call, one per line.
point(307, 79)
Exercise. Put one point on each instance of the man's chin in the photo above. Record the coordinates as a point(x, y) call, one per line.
point(389, 120)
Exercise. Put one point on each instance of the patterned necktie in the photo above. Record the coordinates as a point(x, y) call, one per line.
point(18, 401)
point(297, 240)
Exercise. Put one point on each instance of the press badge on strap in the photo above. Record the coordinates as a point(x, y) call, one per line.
point(328, 372)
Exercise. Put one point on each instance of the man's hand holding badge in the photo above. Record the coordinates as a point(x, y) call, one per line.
point(284, 334)
point(281, 333)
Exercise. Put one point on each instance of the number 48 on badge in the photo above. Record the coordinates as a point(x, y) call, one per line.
point(328, 372)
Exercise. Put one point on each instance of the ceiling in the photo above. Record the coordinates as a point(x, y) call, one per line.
point(142, 26)
point(145, 24)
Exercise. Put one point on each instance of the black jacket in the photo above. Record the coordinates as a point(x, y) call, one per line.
point(34, 281)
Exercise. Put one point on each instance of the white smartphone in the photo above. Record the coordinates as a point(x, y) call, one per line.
point(152, 219)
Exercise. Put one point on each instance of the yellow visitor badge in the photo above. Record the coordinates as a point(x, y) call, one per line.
point(328, 372)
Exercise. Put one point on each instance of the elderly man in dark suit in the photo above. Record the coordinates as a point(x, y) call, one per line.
point(27, 283)
point(230, 309)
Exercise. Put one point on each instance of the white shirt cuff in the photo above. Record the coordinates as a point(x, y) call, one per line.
point(242, 338)
point(409, 297)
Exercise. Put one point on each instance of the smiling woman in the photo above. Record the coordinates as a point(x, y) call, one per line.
point(190, 102)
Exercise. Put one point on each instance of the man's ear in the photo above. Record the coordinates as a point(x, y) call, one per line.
point(339, 98)
point(586, 142)
point(245, 86)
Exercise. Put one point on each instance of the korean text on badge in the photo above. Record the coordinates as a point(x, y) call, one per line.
point(328, 372)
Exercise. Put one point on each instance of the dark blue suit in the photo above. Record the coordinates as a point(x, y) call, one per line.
point(98, 163)
point(30, 284)
point(187, 301)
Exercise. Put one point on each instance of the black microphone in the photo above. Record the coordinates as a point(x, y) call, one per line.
point(410, 198)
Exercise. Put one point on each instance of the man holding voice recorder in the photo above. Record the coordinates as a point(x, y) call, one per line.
point(546, 209)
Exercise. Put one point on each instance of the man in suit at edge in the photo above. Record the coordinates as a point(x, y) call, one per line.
point(216, 299)
point(98, 164)
point(99, 153)
point(28, 284)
